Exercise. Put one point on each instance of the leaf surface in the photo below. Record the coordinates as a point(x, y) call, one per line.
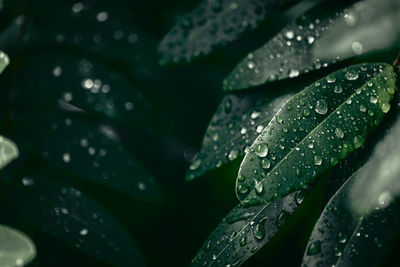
point(68, 214)
point(233, 128)
point(215, 23)
point(341, 239)
point(328, 33)
point(314, 130)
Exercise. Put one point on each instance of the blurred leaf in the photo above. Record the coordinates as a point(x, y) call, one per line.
point(215, 23)
point(8, 151)
point(89, 151)
point(297, 49)
point(245, 230)
point(87, 84)
point(69, 215)
point(341, 239)
point(16, 249)
point(369, 25)
point(235, 125)
point(314, 130)
point(378, 183)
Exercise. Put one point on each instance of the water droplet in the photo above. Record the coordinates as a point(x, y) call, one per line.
point(351, 75)
point(282, 218)
point(195, 164)
point(102, 16)
point(373, 99)
point(265, 164)
point(317, 160)
point(300, 196)
point(339, 133)
point(242, 189)
point(261, 150)
point(293, 73)
point(243, 241)
point(289, 34)
point(259, 187)
point(342, 237)
point(338, 89)
point(233, 154)
point(251, 65)
point(57, 71)
point(363, 108)
point(385, 107)
point(66, 158)
point(258, 230)
point(330, 79)
point(306, 112)
point(27, 181)
point(4, 61)
point(357, 48)
point(310, 39)
point(314, 248)
point(84, 232)
point(321, 107)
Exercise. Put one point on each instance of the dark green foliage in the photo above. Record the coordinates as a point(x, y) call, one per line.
point(104, 131)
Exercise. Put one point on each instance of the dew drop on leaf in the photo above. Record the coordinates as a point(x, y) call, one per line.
point(261, 150)
point(314, 248)
point(351, 75)
point(339, 133)
point(321, 107)
point(317, 160)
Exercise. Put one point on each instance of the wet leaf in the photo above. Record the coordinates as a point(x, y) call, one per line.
point(67, 214)
point(215, 23)
point(16, 249)
point(235, 125)
point(90, 151)
point(327, 33)
point(245, 230)
point(89, 85)
point(341, 239)
point(377, 183)
point(314, 130)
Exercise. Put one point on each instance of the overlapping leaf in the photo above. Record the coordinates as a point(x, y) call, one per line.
point(89, 151)
point(16, 249)
point(88, 84)
point(314, 130)
point(68, 214)
point(329, 32)
point(235, 125)
point(215, 23)
point(245, 230)
point(342, 239)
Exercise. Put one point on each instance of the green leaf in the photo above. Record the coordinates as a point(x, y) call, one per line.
point(235, 125)
point(368, 26)
point(342, 239)
point(314, 130)
point(90, 151)
point(377, 183)
point(16, 249)
point(89, 85)
point(245, 230)
point(67, 214)
point(215, 23)
point(297, 50)
point(8, 151)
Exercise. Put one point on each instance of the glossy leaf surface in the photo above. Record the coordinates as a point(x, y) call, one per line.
point(314, 130)
point(215, 23)
point(234, 127)
point(70, 215)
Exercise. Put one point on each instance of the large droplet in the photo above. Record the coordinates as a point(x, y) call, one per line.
point(195, 164)
point(4, 61)
point(317, 160)
point(261, 150)
point(258, 230)
point(265, 164)
point(233, 154)
point(321, 107)
point(339, 133)
point(351, 75)
point(314, 248)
